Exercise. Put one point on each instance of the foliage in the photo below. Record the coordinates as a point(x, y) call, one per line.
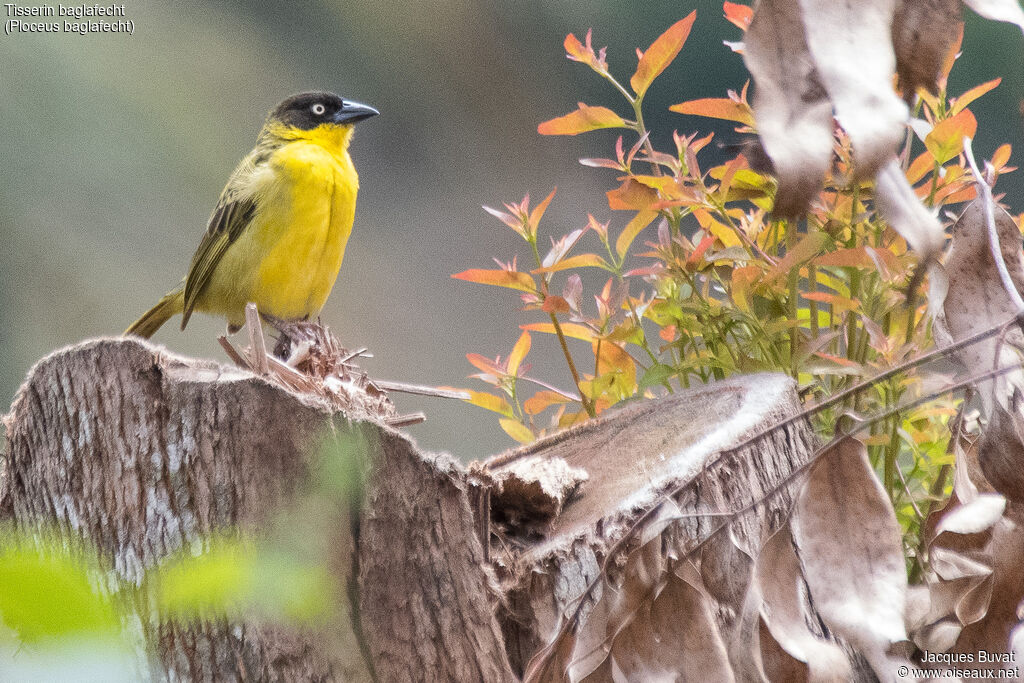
point(700, 281)
point(67, 598)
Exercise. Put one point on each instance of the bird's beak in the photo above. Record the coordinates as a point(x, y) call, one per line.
point(351, 112)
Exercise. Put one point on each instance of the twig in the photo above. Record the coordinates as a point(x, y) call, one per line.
point(234, 355)
point(405, 420)
point(419, 389)
point(257, 346)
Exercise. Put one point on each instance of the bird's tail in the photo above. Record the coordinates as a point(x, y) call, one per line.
point(171, 304)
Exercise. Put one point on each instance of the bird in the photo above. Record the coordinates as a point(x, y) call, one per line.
point(277, 236)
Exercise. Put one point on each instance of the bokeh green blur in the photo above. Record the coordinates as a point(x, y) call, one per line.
point(113, 150)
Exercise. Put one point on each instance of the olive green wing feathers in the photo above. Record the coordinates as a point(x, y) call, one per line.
point(234, 211)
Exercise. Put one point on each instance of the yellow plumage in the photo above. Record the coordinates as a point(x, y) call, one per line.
point(278, 234)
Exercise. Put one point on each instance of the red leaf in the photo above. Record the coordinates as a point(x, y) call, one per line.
point(555, 304)
point(661, 53)
point(631, 195)
point(738, 15)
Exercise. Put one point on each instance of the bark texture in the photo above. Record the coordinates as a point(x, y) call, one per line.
point(697, 445)
point(145, 452)
point(450, 574)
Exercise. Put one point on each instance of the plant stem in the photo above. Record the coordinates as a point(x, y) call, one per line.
point(587, 405)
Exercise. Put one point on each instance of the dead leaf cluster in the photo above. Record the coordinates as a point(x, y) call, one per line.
point(818, 60)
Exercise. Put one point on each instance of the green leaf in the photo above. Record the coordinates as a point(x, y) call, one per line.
point(654, 375)
point(48, 593)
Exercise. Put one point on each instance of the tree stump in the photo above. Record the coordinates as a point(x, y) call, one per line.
point(145, 453)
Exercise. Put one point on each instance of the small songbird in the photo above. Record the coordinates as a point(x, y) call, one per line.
point(278, 234)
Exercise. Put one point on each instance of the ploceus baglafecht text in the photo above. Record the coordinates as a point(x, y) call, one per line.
point(278, 234)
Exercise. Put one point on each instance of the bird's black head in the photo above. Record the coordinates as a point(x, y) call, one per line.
point(309, 110)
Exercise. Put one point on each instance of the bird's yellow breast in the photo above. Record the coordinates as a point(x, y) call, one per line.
point(288, 258)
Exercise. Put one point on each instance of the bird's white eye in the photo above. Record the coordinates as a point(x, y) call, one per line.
point(318, 109)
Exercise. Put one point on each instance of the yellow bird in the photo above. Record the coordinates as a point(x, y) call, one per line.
point(278, 234)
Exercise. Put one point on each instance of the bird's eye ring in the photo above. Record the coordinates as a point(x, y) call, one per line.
point(318, 109)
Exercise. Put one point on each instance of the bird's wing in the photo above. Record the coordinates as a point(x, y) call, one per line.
point(232, 215)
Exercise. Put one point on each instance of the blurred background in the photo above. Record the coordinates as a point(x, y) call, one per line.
point(114, 149)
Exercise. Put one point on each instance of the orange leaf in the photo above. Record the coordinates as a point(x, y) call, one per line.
point(574, 330)
point(856, 257)
point(737, 14)
point(839, 304)
point(1001, 156)
point(631, 195)
point(499, 278)
point(808, 246)
point(612, 358)
point(536, 214)
point(723, 232)
point(632, 229)
point(661, 53)
point(578, 261)
point(543, 399)
point(491, 402)
point(484, 363)
point(973, 94)
point(742, 279)
point(920, 166)
point(717, 108)
point(947, 138)
point(583, 120)
point(519, 351)
point(574, 48)
point(516, 429)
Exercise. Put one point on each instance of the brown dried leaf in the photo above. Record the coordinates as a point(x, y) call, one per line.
point(643, 577)
point(904, 212)
point(923, 32)
point(992, 633)
point(788, 97)
point(974, 517)
point(725, 569)
point(778, 577)
point(779, 665)
point(745, 642)
point(999, 10)
point(1001, 452)
point(858, 583)
point(674, 637)
point(851, 45)
point(975, 300)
